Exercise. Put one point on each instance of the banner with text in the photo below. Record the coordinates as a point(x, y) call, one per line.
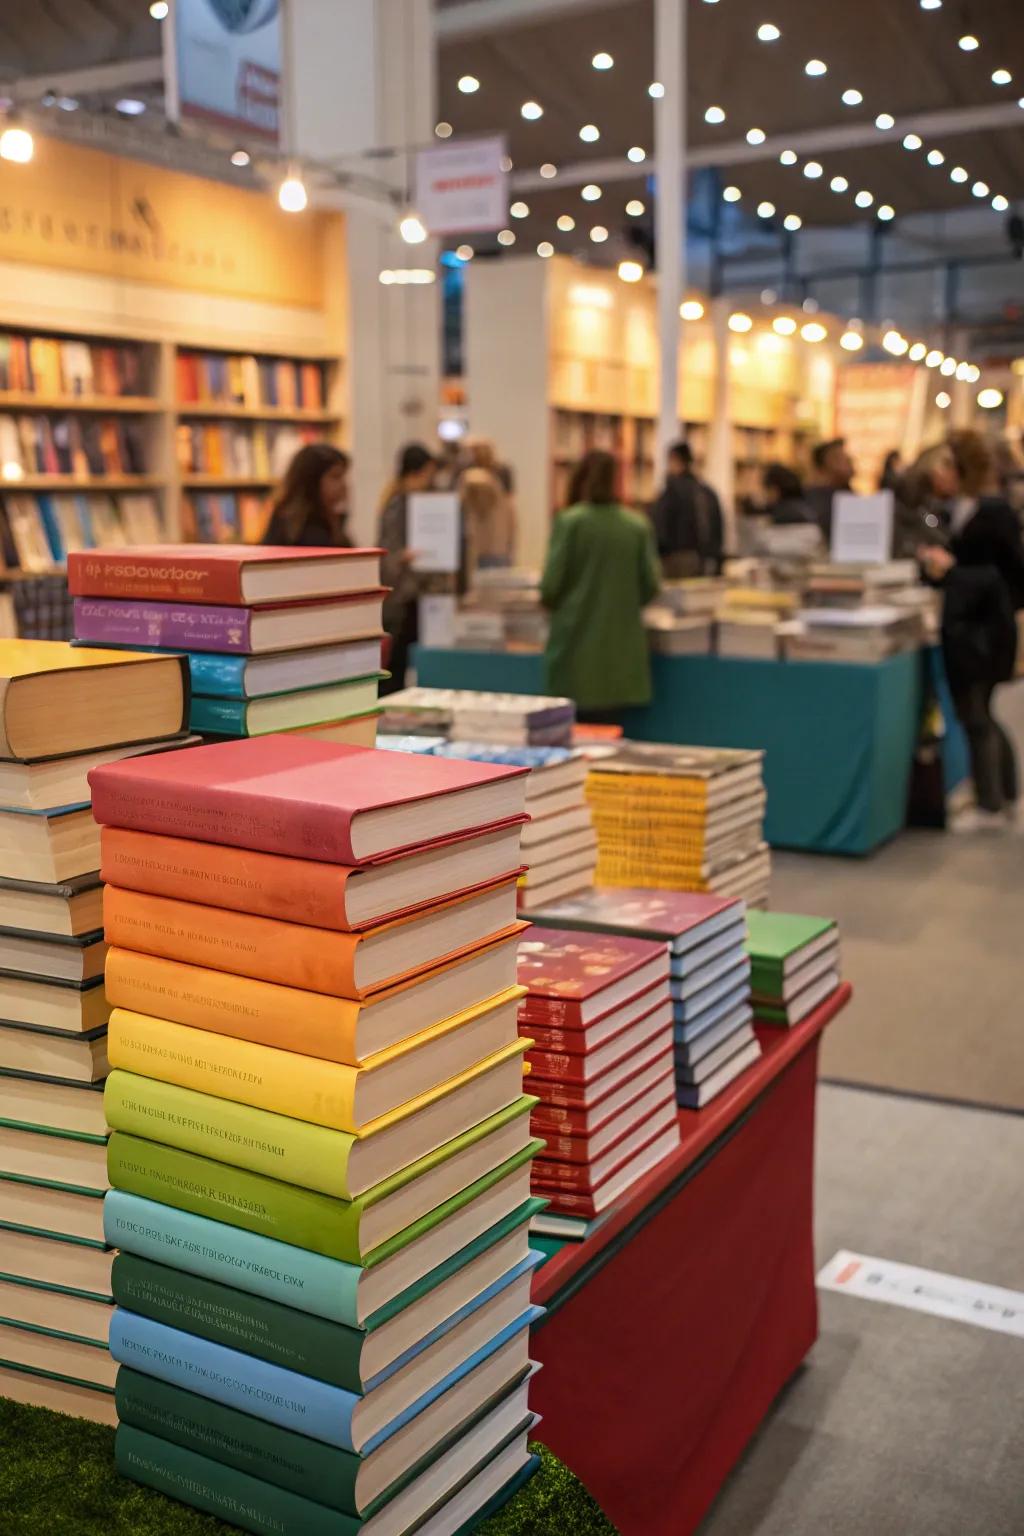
point(461, 188)
point(227, 64)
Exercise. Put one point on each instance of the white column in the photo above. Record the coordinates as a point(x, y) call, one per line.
point(670, 207)
point(719, 469)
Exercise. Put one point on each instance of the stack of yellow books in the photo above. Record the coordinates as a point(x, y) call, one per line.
point(681, 818)
point(320, 1150)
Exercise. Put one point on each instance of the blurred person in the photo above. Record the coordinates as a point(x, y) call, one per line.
point(311, 507)
point(600, 574)
point(1009, 468)
point(414, 472)
point(792, 532)
point(923, 503)
point(481, 453)
point(982, 577)
point(488, 522)
point(892, 471)
point(688, 523)
point(833, 471)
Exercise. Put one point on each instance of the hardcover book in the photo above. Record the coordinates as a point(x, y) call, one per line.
point(780, 941)
point(201, 573)
point(679, 918)
point(284, 711)
point(242, 631)
point(572, 978)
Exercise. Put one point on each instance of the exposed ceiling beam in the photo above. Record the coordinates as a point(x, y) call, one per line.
point(95, 77)
point(947, 123)
point(477, 18)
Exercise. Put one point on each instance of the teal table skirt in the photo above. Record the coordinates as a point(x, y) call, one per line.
point(838, 740)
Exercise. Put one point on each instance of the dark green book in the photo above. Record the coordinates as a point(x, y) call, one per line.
point(780, 943)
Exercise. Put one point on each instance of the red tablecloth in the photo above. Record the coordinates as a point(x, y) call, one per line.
point(672, 1330)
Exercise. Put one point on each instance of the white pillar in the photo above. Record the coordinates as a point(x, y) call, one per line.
point(670, 207)
point(720, 466)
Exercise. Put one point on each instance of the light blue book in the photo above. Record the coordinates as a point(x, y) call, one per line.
point(686, 1010)
point(732, 938)
point(423, 746)
point(512, 757)
point(52, 529)
point(697, 1046)
point(277, 1395)
point(696, 982)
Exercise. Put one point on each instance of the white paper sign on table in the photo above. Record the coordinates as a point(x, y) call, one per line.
point(862, 528)
point(437, 612)
point(432, 531)
point(925, 1290)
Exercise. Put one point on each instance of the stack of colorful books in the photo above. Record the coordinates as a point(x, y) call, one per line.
point(681, 819)
point(795, 964)
point(64, 711)
point(462, 714)
point(599, 1014)
point(710, 975)
point(277, 639)
point(320, 1150)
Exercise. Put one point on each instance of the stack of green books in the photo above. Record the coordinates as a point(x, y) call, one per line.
point(794, 964)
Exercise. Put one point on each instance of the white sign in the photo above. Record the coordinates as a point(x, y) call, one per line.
point(225, 64)
point(862, 527)
point(925, 1290)
point(433, 531)
point(437, 620)
point(461, 187)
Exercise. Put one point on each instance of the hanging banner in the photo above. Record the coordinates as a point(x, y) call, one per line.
point(225, 65)
point(461, 188)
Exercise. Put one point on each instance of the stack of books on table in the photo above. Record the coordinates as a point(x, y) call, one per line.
point(64, 711)
point(795, 965)
point(852, 584)
point(320, 1150)
point(748, 622)
point(461, 714)
point(680, 818)
point(277, 639)
point(599, 1015)
point(714, 1041)
point(870, 634)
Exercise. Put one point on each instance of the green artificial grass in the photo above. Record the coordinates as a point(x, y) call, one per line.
point(57, 1478)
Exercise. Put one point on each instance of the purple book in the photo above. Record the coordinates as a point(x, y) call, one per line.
point(173, 626)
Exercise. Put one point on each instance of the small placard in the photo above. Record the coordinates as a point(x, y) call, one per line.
point(862, 528)
point(433, 531)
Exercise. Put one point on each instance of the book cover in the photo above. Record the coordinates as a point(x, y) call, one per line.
point(195, 573)
point(649, 914)
point(772, 937)
point(238, 717)
point(565, 969)
point(177, 626)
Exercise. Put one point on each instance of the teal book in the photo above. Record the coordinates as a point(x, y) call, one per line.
point(284, 711)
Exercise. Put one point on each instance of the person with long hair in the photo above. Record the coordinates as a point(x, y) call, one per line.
point(414, 472)
point(311, 507)
point(600, 574)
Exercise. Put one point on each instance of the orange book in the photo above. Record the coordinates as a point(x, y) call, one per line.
point(353, 965)
point(312, 397)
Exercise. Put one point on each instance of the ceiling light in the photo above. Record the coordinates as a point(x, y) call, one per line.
point(548, 170)
point(931, 5)
point(691, 309)
point(851, 341)
point(292, 197)
point(981, 189)
point(565, 222)
point(406, 275)
point(948, 367)
point(1001, 77)
point(936, 157)
point(630, 271)
point(589, 133)
point(768, 32)
point(599, 234)
point(784, 325)
point(812, 170)
point(740, 322)
point(17, 144)
point(602, 61)
point(893, 342)
point(813, 331)
point(732, 194)
point(958, 174)
point(506, 237)
point(792, 222)
point(788, 157)
point(714, 115)
point(886, 212)
point(130, 106)
point(545, 249)
point(636, 154)
point(443, 130)
point(656, 89)
point(917, 352)
point(468, 84)
point(912, 141)
point(67, 103)
point(963, 372)
point(635, 208)
point(465, 252)
point(765, 210)
point(990, 399)
point(519, 210)
point(852, 97)
point(755, 135)
point(969, 42)
point(973, 373)
point(1000, 203)
point(839, 184)
point(531, 110)
point(506, 163)
point(412, 229)
point(815, 67)
point(240, 157)
point(933, 359)
point(864, 199)
point(159, 9)
point(942, 400)
point(591, 192)
point(885, 121)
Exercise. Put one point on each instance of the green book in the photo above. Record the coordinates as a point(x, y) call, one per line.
point(781, 942)
point(283, 1211)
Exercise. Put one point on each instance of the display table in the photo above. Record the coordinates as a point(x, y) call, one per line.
point(671, 1331)
point(839, 739)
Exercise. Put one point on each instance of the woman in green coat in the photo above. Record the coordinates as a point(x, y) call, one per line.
point(600, 574)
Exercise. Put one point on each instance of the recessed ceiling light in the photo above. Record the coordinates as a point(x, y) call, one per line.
point(813, 331)
point(981, 189)
point(565, 222)
point(886, 212)
point(933, 359)
point(931, 5)
point(942, 400)
point(506, 237)
point(765, 210)
point(740, 322)
point(1000, 203)
point(240, 157)
point(545, 249)
point(714, 115)
point(591, 192)
point(656, 89)
point(864, 199)
point(519, 210)
point(784, 325)
point(852, 97)
point(815, 67)
point(589, 133)
point(598, 234)
point(468, 84)
point(67, 103)
point(1001, 77)
point(935, 157)
point(990, 399)
point(159, 10)
point(630, 271)
point(636, 154)
point(969, 42)
point(792, 221)
point(768, 32)
point(548, 170)
point(788, 157)
point(917, 351)
point(958, 174)
point(893, 342)
point(691, 309)
point(531, 110)
point(602, 61)
point(732, 194)
point(812, 170)
point(465, 252)
point(912, 141)
point(851, 341)
point(839, 184)
point(443, 130)
point(948, 367)
point(635, 208)
point(973, 373)
point(129, 106)
point(963, 372)
point(885, 121)
point(755, 135)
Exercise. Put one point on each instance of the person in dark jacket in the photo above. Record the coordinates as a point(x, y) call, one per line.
point(414, 472)
point(311, 508)
point(833, 471)
point(784, 497)
point(982, 576)
point(688, 523)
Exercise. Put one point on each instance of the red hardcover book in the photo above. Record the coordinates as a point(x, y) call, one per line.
point(589, 1176)
point(306, 798)
point(583, 1042)
point(657, 1024)
point(592, 1097)
point(657, 1144)
point(204, 573)
point(579, 1150)
point(574, 978)
point(555, 1119)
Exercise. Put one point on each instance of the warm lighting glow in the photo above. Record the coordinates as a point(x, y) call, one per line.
point(240, 158)
point(635, 208)
point(656, 89)
point(636, 154)
point(755, 135)
point(812, 170)
point(506, 163)
point(935, 157)
point(591, 295)
point(852, 97)
point(969, 42)
point(468, 84)
point(765, 210)
point(443, 130)
point(931, 5)
point(839, 184)
point(864, 199)
point(630, 271)
point(565, 222)
point(1000, 203)
point(691, 309)
point(948, 367)
point(159, 10)
point(599, 234)
point(973, 373)
point(506, 237)
point(813, 331)
point(851, 341)
point(412, 229)
point(963, 372)
point(768, 32)
point(912, 141)
point(589, 133)
point(784, 325)
point(548, 171)
point(943, 401)
point(958, 174)
point(886, 212)
point(885, 121)
point(465, 252)
point(291, 195)
point(519, 210)
point(11, 470)
point(990, 399)
point(1001, 77)
point(792, 222)
point(788, 157)
point(714, 115)
point(917, 352)
point(933, 359)
point(405, 275)
point(732, 194)
point(740, 322)
point(815, 67)
point(545, 249)
point(981, 189)
point(602, 61)
point(591, 192)
point(893, 342)
point(531, 110)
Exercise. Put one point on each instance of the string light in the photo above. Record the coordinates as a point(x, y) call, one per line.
point(912, 141)
point(740, 323)
point(813, 331)
point(656, 89)
point(990, 399)
point(599, 234)
point(240, 157)
point(506, 237)
point(465, 252)
point(765, 210)
point(635, 208)
point(917, 352)
point(864, 199)
point(732, 194)
point(591, 192)
point(1001, 77)
point(981, 189)
point(784, 325)
point(755, 135)
point(519, 210)
point(936, 157)
point(691, 309)
point(443, 130)
point(531, 110)
point(602, 61)
point(788, 157)
point(768, 32)
point(714, 115)
point(159, 10)
point(963, 372)
point(973, 373)
point(565, 222)
point(895, 344)
point(815, 67)
point(792, 222)
point(852, 97)
point(548, 171)
point(886, 212)
point(589, 133)
point(943, 401)
point(968, 42)
point(948, 367)
point(630, 271)
point(931, 5)
point(839, 184)
point(933, 359)
point(1000, 203)
point(636, 154)
point(885, 121)
point(469, 85)
point(17, 145)
point(545, 249)
point(851, 341)
point(291, 195)
point(812, 170)
point(958, 174)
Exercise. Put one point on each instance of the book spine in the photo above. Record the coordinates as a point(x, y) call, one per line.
point(297, 1341)
point(309, 1023)
point(220, 677)
point(212, 1249)
point(238, 1440)
point(163, 576)
point(571, 1149)
point(269, 950)
point(548, 1120)
point(550, 1064)
point(545, 1176)
point(162, 625)
point(563, 1202)
point(571, 1042)
point(554, 1012)
point(234, 1195)
point(295, 1150)
point(219, 717)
